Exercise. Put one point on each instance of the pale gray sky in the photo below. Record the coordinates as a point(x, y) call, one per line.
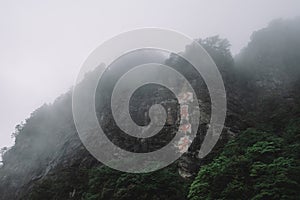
point(44, 43)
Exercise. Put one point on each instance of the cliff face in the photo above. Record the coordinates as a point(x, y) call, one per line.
point(49, 161)
point(269, 72)
point(270, 62)
point(38, 148)
point(48, 150)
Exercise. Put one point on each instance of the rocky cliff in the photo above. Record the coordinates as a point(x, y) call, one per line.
point(48, 160)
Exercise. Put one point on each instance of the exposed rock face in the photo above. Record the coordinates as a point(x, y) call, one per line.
point(48, 147)
point(48, 144)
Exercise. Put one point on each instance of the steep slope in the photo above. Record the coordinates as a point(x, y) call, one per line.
point(48, 161)
point(263, 161)
point(269, 73)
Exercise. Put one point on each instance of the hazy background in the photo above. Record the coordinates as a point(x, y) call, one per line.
point(44, 43)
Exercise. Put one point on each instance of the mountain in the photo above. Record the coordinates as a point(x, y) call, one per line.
point(257, 156)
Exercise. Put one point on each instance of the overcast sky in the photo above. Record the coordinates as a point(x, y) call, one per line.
point(44, 43)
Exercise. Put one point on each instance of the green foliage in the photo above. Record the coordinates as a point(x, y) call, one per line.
point(273, 55)
point(255, 165)
point(218, 49)
point(260, 163)
point(66, 184)
point(105, 183)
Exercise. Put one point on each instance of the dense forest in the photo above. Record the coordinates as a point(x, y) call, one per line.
point(257, 156)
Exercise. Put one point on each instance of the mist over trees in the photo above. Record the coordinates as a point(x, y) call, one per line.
point(274, 53)
point(257, 157)
point(262, 162)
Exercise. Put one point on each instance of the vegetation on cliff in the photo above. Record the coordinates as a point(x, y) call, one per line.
point(260, 161)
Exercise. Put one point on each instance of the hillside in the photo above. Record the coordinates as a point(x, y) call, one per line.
point(257, 156)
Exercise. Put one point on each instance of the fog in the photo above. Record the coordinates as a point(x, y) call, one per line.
point(44, 43)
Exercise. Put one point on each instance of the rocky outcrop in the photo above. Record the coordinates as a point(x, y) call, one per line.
point(264, 79)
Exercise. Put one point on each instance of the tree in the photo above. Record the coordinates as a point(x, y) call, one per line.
point(2, 152)
point(18, 129)
point(255, 165)
point(219, 50)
